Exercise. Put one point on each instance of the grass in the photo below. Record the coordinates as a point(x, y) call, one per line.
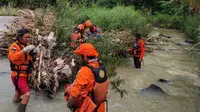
point(167, 21)
point(192, 28)
point(117, 18)
point(8, 11)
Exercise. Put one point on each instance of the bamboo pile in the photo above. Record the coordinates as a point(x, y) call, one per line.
point(32, 20)
point(49, 70)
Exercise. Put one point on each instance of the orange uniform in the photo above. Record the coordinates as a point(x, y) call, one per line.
point(84, 78)
point(139, 49)
point(21, 65)
point(84, 85)
point(91, 84)
point(16, 58)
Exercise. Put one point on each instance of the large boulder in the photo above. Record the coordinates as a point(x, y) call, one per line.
point(154, 89)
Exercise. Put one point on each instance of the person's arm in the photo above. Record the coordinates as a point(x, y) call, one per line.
point(130, 50)
point(142, 50)
point(78, 86)
point(14, 52)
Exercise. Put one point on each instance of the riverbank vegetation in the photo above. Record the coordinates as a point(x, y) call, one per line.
point(113, 15)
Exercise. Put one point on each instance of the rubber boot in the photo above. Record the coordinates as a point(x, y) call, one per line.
point(22, 108)
point(15, 102)
point(18, 101)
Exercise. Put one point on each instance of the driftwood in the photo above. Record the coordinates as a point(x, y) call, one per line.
point(49, 70)
point(155, 44)
point(32, 20)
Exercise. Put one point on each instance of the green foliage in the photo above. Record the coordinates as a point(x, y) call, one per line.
point(167, 21)
point(154, 5)
point(8, 11)
point(66, 18)
point(28, 3)
point(192, 27)
point(116, 86)
point(107, 3)
point(175, 7)
point(106, 19)
point(65, 22)
point(111, 19)
point(105, 46)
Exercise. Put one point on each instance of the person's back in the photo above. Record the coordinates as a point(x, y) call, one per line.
point(90, 86)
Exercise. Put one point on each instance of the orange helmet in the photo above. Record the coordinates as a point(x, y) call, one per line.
point(88, 23)
point(86, 49)
point(81, 27)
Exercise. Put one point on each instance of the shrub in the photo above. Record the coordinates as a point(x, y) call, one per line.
point(8, 11)
point(167, 21)
point(192, 27)
point(111, 19)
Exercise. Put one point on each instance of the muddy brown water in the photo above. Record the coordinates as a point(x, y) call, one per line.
point(174, 65)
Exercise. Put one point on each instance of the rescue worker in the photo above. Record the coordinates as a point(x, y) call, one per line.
point(80, 28)
point(138, 50)
point(89, 90)
point(93, 29)
point(20, 54)
point(77, 35)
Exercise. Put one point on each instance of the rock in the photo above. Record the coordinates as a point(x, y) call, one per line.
point(162, 35)
point(163, 80)
point(190, 41)
point(153, 88)
point(181, 43)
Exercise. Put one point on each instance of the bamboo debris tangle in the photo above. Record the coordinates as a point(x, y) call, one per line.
point(49, 70)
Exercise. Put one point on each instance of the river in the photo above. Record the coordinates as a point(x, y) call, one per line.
point(172, 63)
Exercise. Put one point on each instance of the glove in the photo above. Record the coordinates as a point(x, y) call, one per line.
point(28, 48)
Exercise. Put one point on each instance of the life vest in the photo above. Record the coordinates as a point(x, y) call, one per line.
point(137, 49)
point(26, 63)
point(100, 89)
point(98, 93)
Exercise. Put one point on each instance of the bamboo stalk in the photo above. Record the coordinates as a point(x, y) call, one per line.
point(39, 68)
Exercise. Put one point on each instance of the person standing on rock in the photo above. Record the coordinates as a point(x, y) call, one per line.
point(21, 54)
point(89, 90)
point(138, 50)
